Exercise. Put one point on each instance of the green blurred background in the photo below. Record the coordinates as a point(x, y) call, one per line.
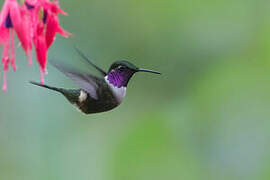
point(206, 117)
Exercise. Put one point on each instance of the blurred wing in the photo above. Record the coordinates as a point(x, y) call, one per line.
point(102, 72)
point(86, 81)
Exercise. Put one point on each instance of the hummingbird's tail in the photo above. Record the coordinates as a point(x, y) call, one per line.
point(46, 86)
point(71, 95)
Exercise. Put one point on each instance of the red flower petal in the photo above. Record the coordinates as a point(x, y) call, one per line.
point(41, 48)
point(53, 27)
point(3, 35)
point(24, 32)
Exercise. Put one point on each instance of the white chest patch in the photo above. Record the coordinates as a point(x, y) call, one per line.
point(83, 96)
point(119, 93)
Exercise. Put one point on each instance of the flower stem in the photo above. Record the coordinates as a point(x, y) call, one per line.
point(5, 81)
point(11, 35)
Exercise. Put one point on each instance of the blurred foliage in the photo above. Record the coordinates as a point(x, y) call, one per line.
point(206, 117)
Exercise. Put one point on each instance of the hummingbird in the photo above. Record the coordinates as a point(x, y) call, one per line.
point(97, 94)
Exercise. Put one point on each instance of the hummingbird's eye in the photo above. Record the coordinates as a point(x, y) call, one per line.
point(121, 68)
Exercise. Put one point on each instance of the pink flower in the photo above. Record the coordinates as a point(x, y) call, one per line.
point(52, 28)
point(45, 29)
point(24, 34)
point(52, 22)
point(30, 28)
point(10, 20)
point(41, 49)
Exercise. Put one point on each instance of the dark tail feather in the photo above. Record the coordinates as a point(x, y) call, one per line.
point(46, 86)
point(71, 95)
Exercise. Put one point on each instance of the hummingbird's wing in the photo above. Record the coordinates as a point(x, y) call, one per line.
point(102, 72)
point(87, 82)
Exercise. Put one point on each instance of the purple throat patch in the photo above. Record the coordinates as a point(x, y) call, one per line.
point(119, 78)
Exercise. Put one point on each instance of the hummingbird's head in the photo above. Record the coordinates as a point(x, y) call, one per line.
point(120, 73)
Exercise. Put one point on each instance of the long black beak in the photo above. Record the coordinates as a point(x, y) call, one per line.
point(148, 70)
